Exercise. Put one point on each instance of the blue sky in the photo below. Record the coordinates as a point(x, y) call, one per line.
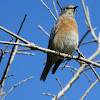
point(11, 15)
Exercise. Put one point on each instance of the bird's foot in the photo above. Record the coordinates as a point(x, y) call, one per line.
point(57, 52)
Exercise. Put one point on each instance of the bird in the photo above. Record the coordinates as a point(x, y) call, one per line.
point(63, 38)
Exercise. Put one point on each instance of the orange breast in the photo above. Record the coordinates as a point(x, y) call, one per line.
point(67, 25)
point(66, 39)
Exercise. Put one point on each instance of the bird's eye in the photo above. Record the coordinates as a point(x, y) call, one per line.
point(67, 8)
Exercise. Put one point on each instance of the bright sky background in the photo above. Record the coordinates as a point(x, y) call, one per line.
point(11, 15)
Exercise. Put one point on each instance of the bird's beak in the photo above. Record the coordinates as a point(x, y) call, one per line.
point(75, 7)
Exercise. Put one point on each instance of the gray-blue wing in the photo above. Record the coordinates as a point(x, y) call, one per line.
point(53, 33)
point(50, 57)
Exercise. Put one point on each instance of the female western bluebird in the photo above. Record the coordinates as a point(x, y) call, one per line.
point(64, 38)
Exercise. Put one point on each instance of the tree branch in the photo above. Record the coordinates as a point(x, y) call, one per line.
point(35, 47)
point(86, 11)
point(16, 86)
point(13, 52)
point(55, 9)
point(48, 9)
point(89, 89)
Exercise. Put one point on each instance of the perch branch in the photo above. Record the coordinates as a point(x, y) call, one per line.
point(35, 47)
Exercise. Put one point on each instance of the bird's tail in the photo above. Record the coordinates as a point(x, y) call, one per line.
point(56, 66)
point(45, 72)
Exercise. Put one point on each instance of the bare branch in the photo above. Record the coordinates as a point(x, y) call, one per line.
point(48, 9)
point(48, 94)
point(88, 42)
point(71, 71)
point(35, 47)
point(3, 51)
point(89, 68)
point(59, 4)
point(85, 36)
point(40, 27)
point(22, 24)
point(11, 33)
point(76, 76)
point(16, 86)
point(3, 93)
point(80, 53)
point(24, 53)
point(98, 50)
point(9, 76)
point(24, 49)
point(59, 83)
point(13, 52)
point(89, 89)
point(98, 61)
point(17, 50)
point(77, 69)
point(99, 43)
point(86, 11)
point(55, 9)
point(95, 72)
point(14, 43)
point(60, 86)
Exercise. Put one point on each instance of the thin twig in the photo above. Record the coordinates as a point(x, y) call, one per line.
point(83, 97)
point(59, 83)
point(71, 71)
point(80, 54)
point(85, 36)
point(22, 24)
point(17, 50)
point(24, 49)
point(86, 22)
point(48, 94)
point(99, 43)
point(86, 11)
point(94, 72)
point(48, 9)
point(59, 4)
point(16, 86)
point(40, 27)
point(98, 61)
point(13, 52)
point(65, 64)
point(3, 93)
point(88, 42)
point(89, 68)
point(3, 51)
point(24, 53)
point(55, 9)
point(9, 76)
point(82, 71)
point(87, 77)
